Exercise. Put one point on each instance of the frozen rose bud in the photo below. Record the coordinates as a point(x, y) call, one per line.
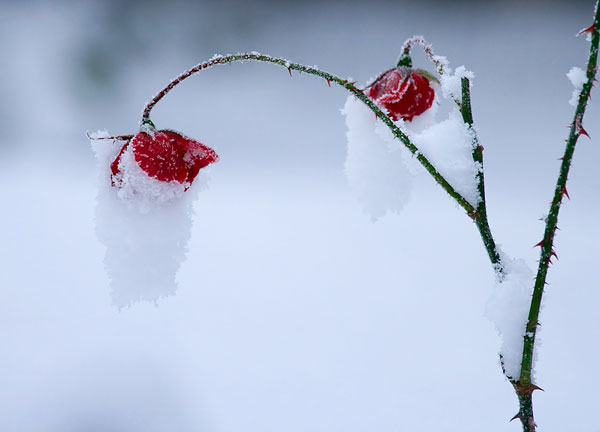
point(403, 92)
point(166, 156)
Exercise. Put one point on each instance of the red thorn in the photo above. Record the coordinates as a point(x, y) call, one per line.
point(586, 30)
point(290, 71)
point(328, 82)
point(517, 416)
point(582, 131)
point(564, 192)
point(561, 158)
point(540, 244)
point(553, 254)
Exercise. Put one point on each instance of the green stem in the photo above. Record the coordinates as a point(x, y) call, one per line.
point(481, 219)
point(547, 251)
point(219, 60)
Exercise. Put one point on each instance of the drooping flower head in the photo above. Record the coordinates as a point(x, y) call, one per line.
point(165, 155)
point(404, 92)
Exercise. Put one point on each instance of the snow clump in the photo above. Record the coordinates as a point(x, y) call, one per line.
point(144, 223)
point(508, 309)
point(577, 77)
point(379, 167)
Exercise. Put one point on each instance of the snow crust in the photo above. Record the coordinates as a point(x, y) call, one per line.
point(145, 225)
point(577, 77)
point(508, 309)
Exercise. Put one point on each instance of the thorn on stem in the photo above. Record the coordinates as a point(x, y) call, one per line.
point(582, 131)
point(590, 29)
point(564, 192)
point(540, 244)
point(290, 70)
point(516, 416)
point(328, 82)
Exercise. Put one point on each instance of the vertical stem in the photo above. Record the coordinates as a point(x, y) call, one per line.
point(525, 386)
point(481, 219)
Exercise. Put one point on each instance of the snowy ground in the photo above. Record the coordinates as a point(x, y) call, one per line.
point(294, 310)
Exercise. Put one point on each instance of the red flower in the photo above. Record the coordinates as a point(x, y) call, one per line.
point(403, 92)
point(166, 156)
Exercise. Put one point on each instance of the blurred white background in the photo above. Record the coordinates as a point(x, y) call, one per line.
point(294, 311)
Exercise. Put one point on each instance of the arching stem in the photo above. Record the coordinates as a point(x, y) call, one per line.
point(330, 78)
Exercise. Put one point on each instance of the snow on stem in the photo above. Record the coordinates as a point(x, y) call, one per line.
point(480, 218)
point(227, 59)
point(524, 387)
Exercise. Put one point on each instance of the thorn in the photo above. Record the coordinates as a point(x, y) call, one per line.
point(480, 147)
point(328, 82)
point(586, 30)
point(582, 131)
point(290, 71)
point(561, 158)
point(540, 244)
point(564, 192)
point(534, 388)
point(516, 416)
point(553, 254)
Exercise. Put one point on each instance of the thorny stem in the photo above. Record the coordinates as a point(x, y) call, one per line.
point(481, 219)
point(330, 78)
point(480, 216)
point(524, 386)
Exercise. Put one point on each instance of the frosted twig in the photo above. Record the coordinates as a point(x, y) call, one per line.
point(440, 62)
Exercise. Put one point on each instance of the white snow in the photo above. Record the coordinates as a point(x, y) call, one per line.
point(375, 171)
point(448, 145)
point(508, 310)
point(451, 82)
point(577, 77)
point(145, 225)
point(377, 162)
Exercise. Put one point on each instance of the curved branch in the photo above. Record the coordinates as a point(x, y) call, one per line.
point(330, 78)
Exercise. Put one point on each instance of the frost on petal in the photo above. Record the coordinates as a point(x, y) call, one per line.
point(508, 310)
point(145, 225)
point(375, 171)
point(448, 145)
point(577, 77)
